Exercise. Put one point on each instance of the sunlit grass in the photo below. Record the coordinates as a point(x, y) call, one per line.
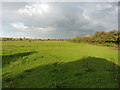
point(47, 60)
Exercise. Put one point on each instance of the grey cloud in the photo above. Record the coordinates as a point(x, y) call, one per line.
point(68, 19)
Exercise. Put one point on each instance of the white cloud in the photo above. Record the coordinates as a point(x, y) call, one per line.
point(21, 26)
point(35, 9)
point(103, 14)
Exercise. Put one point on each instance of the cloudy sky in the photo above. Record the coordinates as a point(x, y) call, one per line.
point(57, 20)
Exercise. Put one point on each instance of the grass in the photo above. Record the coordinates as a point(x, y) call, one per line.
point(58, 64)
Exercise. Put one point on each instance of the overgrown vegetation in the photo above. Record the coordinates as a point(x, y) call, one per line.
point(110, 38)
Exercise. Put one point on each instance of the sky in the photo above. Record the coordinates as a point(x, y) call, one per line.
point(57, 19)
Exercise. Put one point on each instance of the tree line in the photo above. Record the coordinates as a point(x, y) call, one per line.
point(110, 38)
point(28, 39)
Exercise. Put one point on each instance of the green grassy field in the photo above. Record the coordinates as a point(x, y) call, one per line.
point(57, 64)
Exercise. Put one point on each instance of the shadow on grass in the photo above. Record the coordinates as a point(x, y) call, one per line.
point(6, 59)
point(89, 72)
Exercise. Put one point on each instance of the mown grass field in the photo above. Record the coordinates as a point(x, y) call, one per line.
point(57, 64)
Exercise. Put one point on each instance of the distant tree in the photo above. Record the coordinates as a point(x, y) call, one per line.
point(21, 38)
point(24, 38)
